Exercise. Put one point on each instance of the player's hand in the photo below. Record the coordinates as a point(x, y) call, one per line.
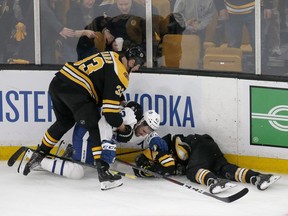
point(137, 108)
point(124, 136)
point(158, 144)
point(108, 153)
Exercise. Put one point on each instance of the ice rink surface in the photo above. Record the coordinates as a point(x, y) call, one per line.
point(44, 194)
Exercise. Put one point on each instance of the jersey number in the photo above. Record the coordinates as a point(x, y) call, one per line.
point(96, 65)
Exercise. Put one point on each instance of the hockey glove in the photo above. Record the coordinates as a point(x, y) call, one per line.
point(143, 162)
point(124, 137)
point(137, 108)
point(158, 144)
point(108, 153)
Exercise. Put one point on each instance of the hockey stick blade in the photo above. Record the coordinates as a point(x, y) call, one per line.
point(231, 198)
point(16, 155)
point(228, 199)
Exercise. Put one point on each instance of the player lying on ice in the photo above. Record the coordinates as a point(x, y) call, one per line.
point(200, 159)
point(132, 114)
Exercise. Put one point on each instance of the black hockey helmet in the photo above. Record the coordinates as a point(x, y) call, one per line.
point(137, 54)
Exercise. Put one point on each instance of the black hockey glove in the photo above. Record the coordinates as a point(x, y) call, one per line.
point(124, 137)
point(137, 108)
point(143, 162)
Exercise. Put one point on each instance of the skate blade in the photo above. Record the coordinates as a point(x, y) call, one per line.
point(271, 181)
point(107, 185)
point(25, 159)
point(220, 189)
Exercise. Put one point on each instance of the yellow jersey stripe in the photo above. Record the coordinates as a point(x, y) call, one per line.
point(86, 78)
point(107, 110)
point(106, 101)
point(79, 78)
point(76, 81)
point(240, 9)
point(120, 70)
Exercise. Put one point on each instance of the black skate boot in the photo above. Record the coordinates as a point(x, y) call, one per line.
point(106, 178)
point(68, 153)
point(33, 162)
point(263, 181)
point(219, 185)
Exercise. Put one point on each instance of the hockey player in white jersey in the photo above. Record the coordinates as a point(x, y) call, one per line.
point(143, 126)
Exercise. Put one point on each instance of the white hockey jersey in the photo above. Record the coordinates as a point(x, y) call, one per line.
point(107, 131)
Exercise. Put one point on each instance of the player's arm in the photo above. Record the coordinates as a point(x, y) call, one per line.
point(156, 158)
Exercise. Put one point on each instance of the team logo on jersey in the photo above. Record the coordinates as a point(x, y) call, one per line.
point(119, 90)
point(133, 22)
point(82, 122)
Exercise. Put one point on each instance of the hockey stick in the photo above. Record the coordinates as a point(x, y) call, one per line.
point(22, 149)
point(16, 155)
point(228, 199)
point(131, 152)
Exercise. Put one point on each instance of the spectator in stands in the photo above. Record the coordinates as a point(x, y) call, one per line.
point(51, 29)
point(10, 16)
point(194, 17)
point(240, 13)
point(126, 19)
point(79, 15)
point(283, 6)
point(88, 46)
point(159, 25)
point(273, 31)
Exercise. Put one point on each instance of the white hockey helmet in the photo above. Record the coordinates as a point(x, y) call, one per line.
point(152, 119)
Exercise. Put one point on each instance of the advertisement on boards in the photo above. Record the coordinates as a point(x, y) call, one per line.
point(269, 116)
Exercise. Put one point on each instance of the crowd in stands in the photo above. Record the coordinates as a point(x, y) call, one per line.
point(71, 29)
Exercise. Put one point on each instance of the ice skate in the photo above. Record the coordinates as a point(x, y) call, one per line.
point(30, 161)
point(68, 153)
point(263, 181)
point(26, 157)
point(219, 185)
point(106, 178)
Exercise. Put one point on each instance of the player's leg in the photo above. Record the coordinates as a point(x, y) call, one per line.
point(88, 117)
point(64, 168)
point(64, 121)
point(260, 180)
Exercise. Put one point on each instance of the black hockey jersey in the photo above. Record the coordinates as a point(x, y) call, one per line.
point(199, 148)
point(102, 76)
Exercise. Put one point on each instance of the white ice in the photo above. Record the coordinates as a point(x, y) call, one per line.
point(44, 194)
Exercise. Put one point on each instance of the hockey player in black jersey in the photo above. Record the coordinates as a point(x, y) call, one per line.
point(78, 91)
point(201, 160)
